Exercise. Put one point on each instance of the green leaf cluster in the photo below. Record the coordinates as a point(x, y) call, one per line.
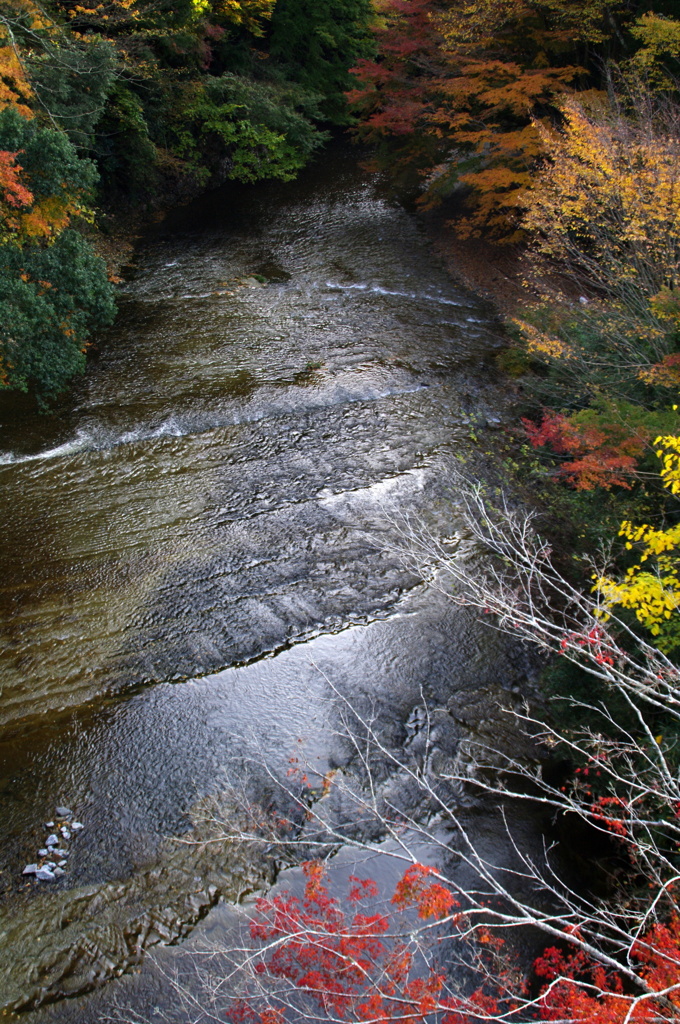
point(246, 130)
point(51, 165)
point(317, 41)
point(54, 291)
point(51, 300)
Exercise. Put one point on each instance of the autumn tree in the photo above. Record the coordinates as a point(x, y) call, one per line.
point(393, 91)
point(605, 217)
point(506, 63)
point(471, 77)
point(54, 291)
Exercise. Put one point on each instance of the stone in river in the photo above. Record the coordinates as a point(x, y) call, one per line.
point(58, 872)
point(63, 812)
point(49, 824)
point(52, 840)
point(30, 869)
point(76, 826)
point(62, 863)
point(45, 875)
point(65, 833)
point(42, 853)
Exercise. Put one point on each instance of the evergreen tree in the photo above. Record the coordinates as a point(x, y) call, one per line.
point(317, 41)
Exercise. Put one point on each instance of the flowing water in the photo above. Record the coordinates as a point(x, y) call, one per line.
point(198, 544)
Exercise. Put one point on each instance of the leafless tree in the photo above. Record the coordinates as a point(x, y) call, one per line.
point(623, 786)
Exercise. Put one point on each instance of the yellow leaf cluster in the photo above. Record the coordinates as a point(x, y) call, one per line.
point(480, 21)
point(540, 343)
point(654, 597)
point(614, 190)
point(669, 453)
point(248, 13)
point(660, 45)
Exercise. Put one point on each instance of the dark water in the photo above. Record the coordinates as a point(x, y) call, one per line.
point(201, 541)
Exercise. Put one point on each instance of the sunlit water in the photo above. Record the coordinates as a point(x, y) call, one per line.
point(200, 542)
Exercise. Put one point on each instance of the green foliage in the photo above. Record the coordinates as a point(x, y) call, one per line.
point(52, 298)
point(594, 349)
point(247, 130)
point(125, 154)
point(53, 290)
point(658, 58)
point(317, 41)
point(52, 167)
point(72, 82)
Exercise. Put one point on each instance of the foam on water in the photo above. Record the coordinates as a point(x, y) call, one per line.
point(98, 438)
point(377, 289)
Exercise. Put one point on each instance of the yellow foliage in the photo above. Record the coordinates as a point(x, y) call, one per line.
point(248, 13)
point(654, 596)
point(660, 39)
point(614, 189)
point(669, 453)
point(480, 21)
point(540, 343)
point(606, 209)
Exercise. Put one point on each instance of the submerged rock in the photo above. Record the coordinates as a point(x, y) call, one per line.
point(30, 869)
point(63, 812)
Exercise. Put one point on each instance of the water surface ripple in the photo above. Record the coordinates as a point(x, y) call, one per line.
point(291, 366)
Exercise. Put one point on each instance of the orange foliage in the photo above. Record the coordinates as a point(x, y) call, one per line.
point(461, 83)
point(430, 898)
point(15, 90)
point(12, 191)
point(48, 217)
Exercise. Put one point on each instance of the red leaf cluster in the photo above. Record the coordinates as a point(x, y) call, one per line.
point(598, 456)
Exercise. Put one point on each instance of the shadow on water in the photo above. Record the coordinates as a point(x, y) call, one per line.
point(208, 519)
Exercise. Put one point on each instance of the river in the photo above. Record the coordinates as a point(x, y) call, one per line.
point(199, 543)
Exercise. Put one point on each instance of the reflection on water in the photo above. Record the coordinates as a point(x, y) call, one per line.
point(290, 369)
